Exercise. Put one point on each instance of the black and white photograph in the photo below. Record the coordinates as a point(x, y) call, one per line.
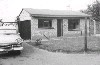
point(49, 32)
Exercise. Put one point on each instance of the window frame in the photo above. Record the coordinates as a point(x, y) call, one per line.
point(76, 23)
point(43, 23)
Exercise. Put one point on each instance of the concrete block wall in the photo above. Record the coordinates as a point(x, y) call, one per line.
point(65, 26)
point(91, 27)
point(40, 32)
point(88, 26)
point(81, 31)
point(97, 27)
point(82, 26)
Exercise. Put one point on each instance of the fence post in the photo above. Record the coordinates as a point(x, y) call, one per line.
point(85, 40)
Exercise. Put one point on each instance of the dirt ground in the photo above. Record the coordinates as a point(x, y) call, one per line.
point(34, 56)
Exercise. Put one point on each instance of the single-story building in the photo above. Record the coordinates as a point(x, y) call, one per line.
point(44, 23)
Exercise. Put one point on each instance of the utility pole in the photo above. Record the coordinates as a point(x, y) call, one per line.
point(85, 38)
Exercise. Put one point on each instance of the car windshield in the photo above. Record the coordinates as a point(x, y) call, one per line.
point(8, 30)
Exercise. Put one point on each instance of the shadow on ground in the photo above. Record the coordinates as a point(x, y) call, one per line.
point(7, 55)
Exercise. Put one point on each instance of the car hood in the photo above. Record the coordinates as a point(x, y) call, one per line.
point(8, 39)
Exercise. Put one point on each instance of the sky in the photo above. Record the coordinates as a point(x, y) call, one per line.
point(10, 9)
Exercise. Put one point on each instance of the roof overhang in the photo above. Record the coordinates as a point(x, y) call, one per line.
point(58, 16)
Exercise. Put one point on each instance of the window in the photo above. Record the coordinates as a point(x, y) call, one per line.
point(44, 23)
point(73, 24)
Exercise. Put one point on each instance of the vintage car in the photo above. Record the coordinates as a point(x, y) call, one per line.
point(10, 40)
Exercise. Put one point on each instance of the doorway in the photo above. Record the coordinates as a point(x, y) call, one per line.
point(59, 27)
point(25, 29)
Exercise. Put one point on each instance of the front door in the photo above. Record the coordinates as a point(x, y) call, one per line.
point(59, 27)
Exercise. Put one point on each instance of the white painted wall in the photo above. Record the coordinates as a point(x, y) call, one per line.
point(24, 16)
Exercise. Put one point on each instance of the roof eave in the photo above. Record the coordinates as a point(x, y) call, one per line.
point(42, 15)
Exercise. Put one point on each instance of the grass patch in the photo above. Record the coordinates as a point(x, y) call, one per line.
point(70, 45)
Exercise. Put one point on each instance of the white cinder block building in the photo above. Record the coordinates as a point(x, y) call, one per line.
point(41, 23)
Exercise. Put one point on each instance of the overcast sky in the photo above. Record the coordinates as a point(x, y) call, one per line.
point(9, 9)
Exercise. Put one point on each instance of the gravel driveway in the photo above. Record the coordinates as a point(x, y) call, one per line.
point(35, 56)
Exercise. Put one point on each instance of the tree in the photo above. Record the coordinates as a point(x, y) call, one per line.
point(94, 10)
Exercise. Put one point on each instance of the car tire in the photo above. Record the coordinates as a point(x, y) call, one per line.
point(18, 52)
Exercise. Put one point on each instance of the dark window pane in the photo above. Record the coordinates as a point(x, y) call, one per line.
point(44, 23)
point(73, 24)
point(50, 23)
point(40, 23)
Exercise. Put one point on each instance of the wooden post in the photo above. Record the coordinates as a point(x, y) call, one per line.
point(94, 27)
point(85, 40)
